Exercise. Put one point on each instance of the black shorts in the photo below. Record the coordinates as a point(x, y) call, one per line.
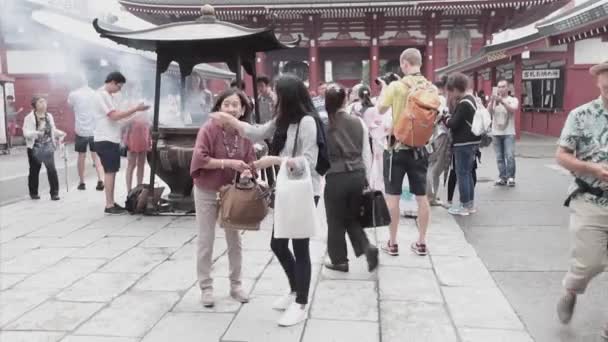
point(81, 143)
point(109, 155)
point(413, 163)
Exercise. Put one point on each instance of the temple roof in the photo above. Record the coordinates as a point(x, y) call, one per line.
point(333, 3)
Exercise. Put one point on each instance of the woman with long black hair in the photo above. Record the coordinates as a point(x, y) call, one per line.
point(349, 156)
point(293, 131)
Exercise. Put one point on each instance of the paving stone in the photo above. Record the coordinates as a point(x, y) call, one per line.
point(357, 271)
point(494, 335)
point(98, 339)
point(130, 315)
point(35, 260)
point(30, 336)
point(55, 316)
point(9, 279)
point(190, 327)
point(481, 308)
point(191, 302)
point(62, 274)
point(418, 321)
point(408, 284)
point(178, 275)
point(257, 322)
point(340, 331)
point(137, 260)
point(404, 259)
point(113, 222)
point(143, 227)
point(274, 281)
point(448, 245)
point(256, 240)
point(61, 228)
point(462, 271)
point(254, 263)
point(169, 238)
point(79, 238)
point(99, 287)
point(109, 247)
point(17, 247)
point(15, 303)
point(345, 300)
point(188, 251)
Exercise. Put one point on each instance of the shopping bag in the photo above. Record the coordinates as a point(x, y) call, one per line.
point(295, 213)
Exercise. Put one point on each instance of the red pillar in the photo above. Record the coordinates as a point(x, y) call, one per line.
point(374, 55)
point(493, 77)
point(517, 91)
point(313, 60)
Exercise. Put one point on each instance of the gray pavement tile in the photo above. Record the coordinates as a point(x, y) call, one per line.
point(15, 303)
point(517, 248)
point(481, 308)
point(254, 263)
point(462, 271)
point(99, 287)
point(257, 322)
point(534, 296)
point(191, 302)
point(274, 281)
point(340, 331)
point(398, 283)
point(484, 335)
point(17, 247)
point(30, 336)
point(259, 240)
point(177, 275)
point(130, 315)
point(61, 228)
point(188, 251)
point(62, 274)
point(450, 245)
point(190, 327)
point(35, 260)
point(137, 260)
point(357, 270)
point(415, 321)
point(7, 280)
point(108, 248)
point(78, 238)
point(405, 259)
point(98, 339)
point(345, 300)
point(113, 222)
point(55, 316)
point(169, 238)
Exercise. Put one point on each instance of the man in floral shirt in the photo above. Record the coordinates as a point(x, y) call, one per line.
point(583, 150)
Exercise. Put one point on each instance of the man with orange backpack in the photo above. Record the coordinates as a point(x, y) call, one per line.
point(414, 102)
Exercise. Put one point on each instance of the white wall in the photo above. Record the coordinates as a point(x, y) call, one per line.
point(35, 62)
point(590, 51)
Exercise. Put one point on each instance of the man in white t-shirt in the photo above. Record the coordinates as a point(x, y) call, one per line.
point(503, 108)
point(84, 105)
point(107, 134)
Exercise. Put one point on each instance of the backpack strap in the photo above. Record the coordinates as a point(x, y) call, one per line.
point(465, 100)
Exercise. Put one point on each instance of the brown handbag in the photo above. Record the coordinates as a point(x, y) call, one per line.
point(243, 205)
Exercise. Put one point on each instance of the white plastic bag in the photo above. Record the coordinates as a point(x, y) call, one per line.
point(295, 214)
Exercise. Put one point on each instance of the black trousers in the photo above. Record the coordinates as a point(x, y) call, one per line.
point(452, 179)
point(297, 266)
point(51, 172)
point(343, 203)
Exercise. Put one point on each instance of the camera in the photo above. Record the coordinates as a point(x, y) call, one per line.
point(388, 78)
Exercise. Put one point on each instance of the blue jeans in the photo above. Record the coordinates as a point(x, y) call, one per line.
point(504, 145)
point(464, 157)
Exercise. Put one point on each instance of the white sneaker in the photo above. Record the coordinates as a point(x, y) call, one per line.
point(293, 315)
point(284, 302)
point(207, 298)
point(239, 295)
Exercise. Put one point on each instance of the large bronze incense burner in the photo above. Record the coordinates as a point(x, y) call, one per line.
point(205, 40)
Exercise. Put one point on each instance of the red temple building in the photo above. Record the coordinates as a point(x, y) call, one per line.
point(350, 41)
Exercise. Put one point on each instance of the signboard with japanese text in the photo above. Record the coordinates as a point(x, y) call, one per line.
point(541, 74)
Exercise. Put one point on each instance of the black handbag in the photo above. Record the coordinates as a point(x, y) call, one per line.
point(374, 211)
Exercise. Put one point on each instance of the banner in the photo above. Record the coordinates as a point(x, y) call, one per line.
point(541, 74)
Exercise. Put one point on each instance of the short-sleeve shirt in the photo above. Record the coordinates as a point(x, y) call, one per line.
point(502, 110)
point(106, 129)
point(83, 101)
point(586, 134)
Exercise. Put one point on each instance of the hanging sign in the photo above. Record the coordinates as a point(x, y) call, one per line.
point(541, 74)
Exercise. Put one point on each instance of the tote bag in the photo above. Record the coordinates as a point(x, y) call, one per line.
point(295, 213)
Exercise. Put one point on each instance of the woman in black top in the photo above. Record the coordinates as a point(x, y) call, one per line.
point(464, 143)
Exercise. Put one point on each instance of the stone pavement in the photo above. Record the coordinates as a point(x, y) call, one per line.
point(69, 273)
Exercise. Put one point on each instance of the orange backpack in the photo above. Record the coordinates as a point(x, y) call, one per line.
point(415, 125)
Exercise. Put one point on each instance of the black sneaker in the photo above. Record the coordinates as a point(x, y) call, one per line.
point(343, 267)
point(391, 249)
point(99, 186)
point(35, 197)
point(82, 186)
point(115, 210)
point(55, 198)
